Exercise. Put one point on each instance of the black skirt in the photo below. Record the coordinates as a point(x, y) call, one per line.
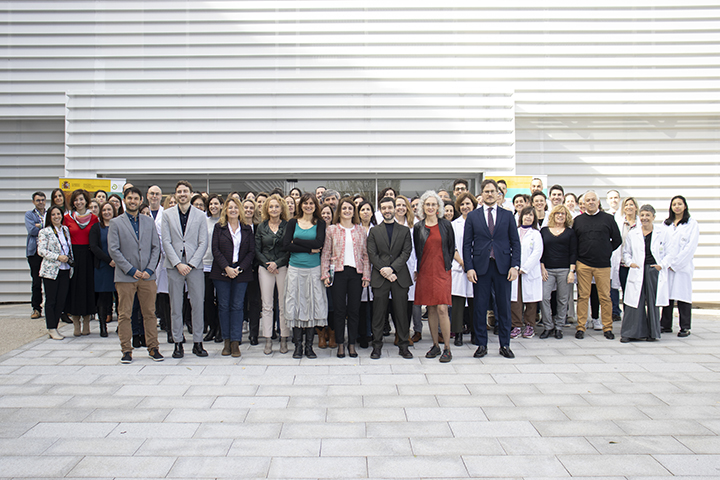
point(81, 297)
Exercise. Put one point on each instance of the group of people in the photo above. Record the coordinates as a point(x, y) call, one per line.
point(316, 263)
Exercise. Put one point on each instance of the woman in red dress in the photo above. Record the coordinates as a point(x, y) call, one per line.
point(434, 241)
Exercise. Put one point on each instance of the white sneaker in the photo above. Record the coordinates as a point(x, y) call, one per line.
point(245, 327)
point(597, 324)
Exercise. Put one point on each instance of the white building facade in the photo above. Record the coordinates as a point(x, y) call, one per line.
point(596, 94)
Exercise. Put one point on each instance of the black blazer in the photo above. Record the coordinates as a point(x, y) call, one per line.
point(96, 246)
point(394, 254)
point(447, 236)
point(222, 248)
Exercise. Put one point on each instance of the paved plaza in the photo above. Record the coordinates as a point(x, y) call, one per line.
point(589, 408)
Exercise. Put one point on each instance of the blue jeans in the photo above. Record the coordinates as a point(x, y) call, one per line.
point(231, 298)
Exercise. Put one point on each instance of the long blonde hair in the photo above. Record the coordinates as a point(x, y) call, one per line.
point(241, 214)
point(284, 212)
point(409, 215)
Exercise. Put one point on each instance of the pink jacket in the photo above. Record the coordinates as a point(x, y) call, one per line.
point(334, 250)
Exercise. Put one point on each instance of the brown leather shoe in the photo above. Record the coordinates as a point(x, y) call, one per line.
point(331, 338)
point(397, 338)
point(226, 348)
point(235, 349)
point(35, 314)
point(417, 336)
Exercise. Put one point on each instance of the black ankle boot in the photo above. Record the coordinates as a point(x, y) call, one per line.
point(199, 350)
point(179, 351)
point(297, 340)
point(210, 335)
point(309, 337)
point(103, 327)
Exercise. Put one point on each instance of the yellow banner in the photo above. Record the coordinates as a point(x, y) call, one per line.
point(89, 184)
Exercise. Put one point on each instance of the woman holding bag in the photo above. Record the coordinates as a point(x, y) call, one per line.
point(55, 247)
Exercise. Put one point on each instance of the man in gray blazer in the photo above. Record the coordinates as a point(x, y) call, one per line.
point(185, 240)
point(389, 248)
point(134, 245)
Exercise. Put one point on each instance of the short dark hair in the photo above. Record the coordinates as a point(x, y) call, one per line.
point(387, 199)
point(262, 194)
point(185, 183)
point(486, 182)
point(98, 191)
point(459, 181)
point(557, 187)
point(570, 194)
point(521, 195)
point(38, 194)
point(502, 181)
point(130, 190)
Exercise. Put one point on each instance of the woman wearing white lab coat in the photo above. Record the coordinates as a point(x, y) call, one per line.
point(462, 290)
point(527, 289)
point(641, 249)
point(681, 240)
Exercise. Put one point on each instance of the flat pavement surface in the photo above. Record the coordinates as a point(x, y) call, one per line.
point(591, 408)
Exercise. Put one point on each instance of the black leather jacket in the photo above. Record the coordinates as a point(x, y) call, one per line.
point(447, 236)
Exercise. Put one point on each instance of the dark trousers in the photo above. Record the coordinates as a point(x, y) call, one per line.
point(211, 306)
point(685, 310)
point(461, 315)
point(104, 305)
point(380, 303)
point(492, 279)
point(136, 318)
point(56, 293)
point(365, 323)
point(36, 298)
point(594, 302)
point(347, 290)
point(253, 306)
point(162, 308)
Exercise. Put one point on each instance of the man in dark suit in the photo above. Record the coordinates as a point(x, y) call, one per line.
point(389, 248)
point(491, 252)
point(134, 245)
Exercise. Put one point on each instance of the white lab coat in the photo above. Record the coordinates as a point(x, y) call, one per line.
point(680, 245)
point(633, 251)
point(161, 278)
point(531, 250)
point(461, 286)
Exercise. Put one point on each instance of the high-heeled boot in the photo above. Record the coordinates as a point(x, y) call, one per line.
point(103, 326)
point(331, 338)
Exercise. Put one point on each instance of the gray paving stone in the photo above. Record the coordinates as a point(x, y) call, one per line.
point(364, 390)
point(589, 465)
point(135, 415)
point(514, 466)
point(318, 467)
point(40, 401)
point(24, 446)
point(463, 378)
point(172, 402)
point(323, 430)
point(445, 414)
point(327, 379)
point(36, 466)
point(456, 446)
point(546, 445)
point(365, 447)
point(126, 466)
point(506, 389)
point(239, 430)
point(227, 402)
point(577, 428)
point(665, 427)
point(493, 429)
point(34, 415)
point(70, 430)
point(354, 401)
point(153, 390)
point(474, 401)
point(154, 430)
point(277, 447)
point(538, 400)
point(286, 390)
point(622, 399)
point(174, 447)
point(286, 415)
point(206, 415)
point(95, 446)
point(709, 445)
point(366, 414)
point(416, 467)
point(637, 445)
point(394, 379)
point(411, 390)
point(598, 413)
point(408, 430)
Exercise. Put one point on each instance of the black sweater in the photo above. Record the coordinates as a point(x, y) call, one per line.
point(559, 251)
point(597, 237)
